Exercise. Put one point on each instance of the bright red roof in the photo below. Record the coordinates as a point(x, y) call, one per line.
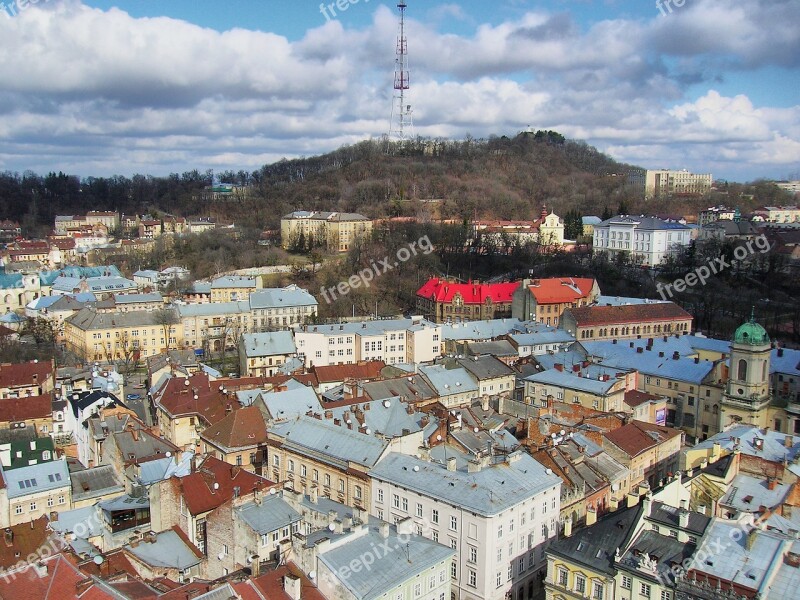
point(440, 290)
point(559, 290)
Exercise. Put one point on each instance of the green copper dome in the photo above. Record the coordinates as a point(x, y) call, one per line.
point(751, 334)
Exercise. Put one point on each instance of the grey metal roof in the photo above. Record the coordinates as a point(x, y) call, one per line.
point(449, 381)
point(88, 319)
point(486, 367)
point(330, 443)
point(133, 298)
point(233, 281)
point(213, 309)
point(773, 448)
point(571, 381)
point(370, 328)
point(178, 465)
point(406, 558)
point(496, 348)
point(88, 516)
point(642, 222)
point(542, 338)
point(664, 550)
point(291, 403)
point(271, 514)
point(269, 343)
point(479, 330)
point(94, 482)
point(409, 388)
point(36, 478)
point(124, 502)
point(489, 491)
point(281, 297)
point(748, 494)
point(168, 551)
point(389, 417)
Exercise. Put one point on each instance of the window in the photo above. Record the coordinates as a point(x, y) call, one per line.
point(626, 582)
point(18, 509)
point(435, 515)
point(597, 591)
point(644, 590)
point(417, 590)
point(33, 506)
point(580, 584)
point(405, 504)
point(472, 578)
point(666, 595)
point(50, 501)
point(380, 496)
point(499, 531)
point(303, 471)
point(453, 570)
point(473, 554)
point(358, 492)
point(396, 501)
point(453, 523)
point(419, 509)
point(499, 579)
point(61, 499)
point(290, 467)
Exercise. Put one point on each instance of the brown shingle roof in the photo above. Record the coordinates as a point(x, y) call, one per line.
point(198, 488)
point(638, 436)
point(243, 427)
point(589, 316)
point(363, 370)
point(27, 373)
point(25, 408)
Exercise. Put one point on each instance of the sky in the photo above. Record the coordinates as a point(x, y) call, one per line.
point(104, 87)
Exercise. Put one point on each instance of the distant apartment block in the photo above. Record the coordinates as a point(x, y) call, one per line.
point(778, 214)
point(648, 240)
point(333, 231)
point(793, 187)
point(715, 213)
point(667, 182)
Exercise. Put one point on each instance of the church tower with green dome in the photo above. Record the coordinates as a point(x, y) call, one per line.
point(747, 393)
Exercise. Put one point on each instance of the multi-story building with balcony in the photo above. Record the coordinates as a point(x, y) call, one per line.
point(647, 240)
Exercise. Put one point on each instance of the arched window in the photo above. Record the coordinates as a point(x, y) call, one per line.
point(742, 370)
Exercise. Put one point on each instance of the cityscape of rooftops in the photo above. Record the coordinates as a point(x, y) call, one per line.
point(369, 300)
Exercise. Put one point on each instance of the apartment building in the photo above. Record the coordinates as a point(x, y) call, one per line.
point(108, 337)
point(334, 231)
point(590, 385)
point(664, 183)
point(272, 308)
point(497, 513)
point(778, 214)
point(650, 452)
point(393, 341)
point(35, 491)
point(263, 354)
point(647, 240)
point(233, 288)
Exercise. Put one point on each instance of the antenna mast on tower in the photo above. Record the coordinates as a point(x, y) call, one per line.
point(401, 126)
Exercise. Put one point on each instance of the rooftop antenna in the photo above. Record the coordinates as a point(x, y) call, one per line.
point(401, 126)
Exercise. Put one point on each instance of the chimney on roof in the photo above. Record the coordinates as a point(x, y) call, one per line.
point(384, 529)
point(292, 585)
point(451, 463)
point(771, 483)
point(788, 441)
point(676, 355)
point(9, 537)
point(558, 367)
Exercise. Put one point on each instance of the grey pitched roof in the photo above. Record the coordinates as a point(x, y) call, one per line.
point(330, 443)
point(271, 514)
point(409, 388)
point(36, 478)
point(94, 482)
point(496, 348)
point(281, 297)
point(449, 381)
point(88, 319)
point(269, 343)
point(486, 367)
point(594, 546)
point(407, 557)
point(291, 403)
point(490, 491)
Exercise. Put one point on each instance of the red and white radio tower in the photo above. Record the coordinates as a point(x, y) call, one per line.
point(401, 126)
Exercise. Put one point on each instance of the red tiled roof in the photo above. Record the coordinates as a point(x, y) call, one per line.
point(243, 427)
point(27, 373)
point(363, 370)
point(25, 408)
point(271, 584)
point(60, 582)
point(198, 488)
point(559, 290)
point(440, 290)
point(590, 316)
point(635, 437)
point(194, 396)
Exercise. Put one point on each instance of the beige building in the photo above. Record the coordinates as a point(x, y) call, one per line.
point(234, 288)
point(238, 439)
point(36, 491)
point(591, 386)
point(331, 458)
point(544, 300)
point(656, 183)
point(626, 321)
point(650, 452)
point(333, 231)
point(132, 335)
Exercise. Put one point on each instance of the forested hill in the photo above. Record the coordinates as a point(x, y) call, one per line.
point(509, 178)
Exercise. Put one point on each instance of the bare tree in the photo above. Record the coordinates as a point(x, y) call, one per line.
point(167, 318)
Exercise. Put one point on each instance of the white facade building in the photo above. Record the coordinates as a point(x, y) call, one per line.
point(646, 239)
point(498, 514)
point(392, 341)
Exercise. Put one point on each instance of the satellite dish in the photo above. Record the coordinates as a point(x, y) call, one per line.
point(98, 560)
point(563, 432)
point(186, 382)
point(386, 404)
point(216, 485)
point(220, 556)
point(331, 527)
point(438, 438)
point(312, 574)
point(272, 491)
point(416, 468)
point(476, 430)
point(169, 453)
point(368, 431)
